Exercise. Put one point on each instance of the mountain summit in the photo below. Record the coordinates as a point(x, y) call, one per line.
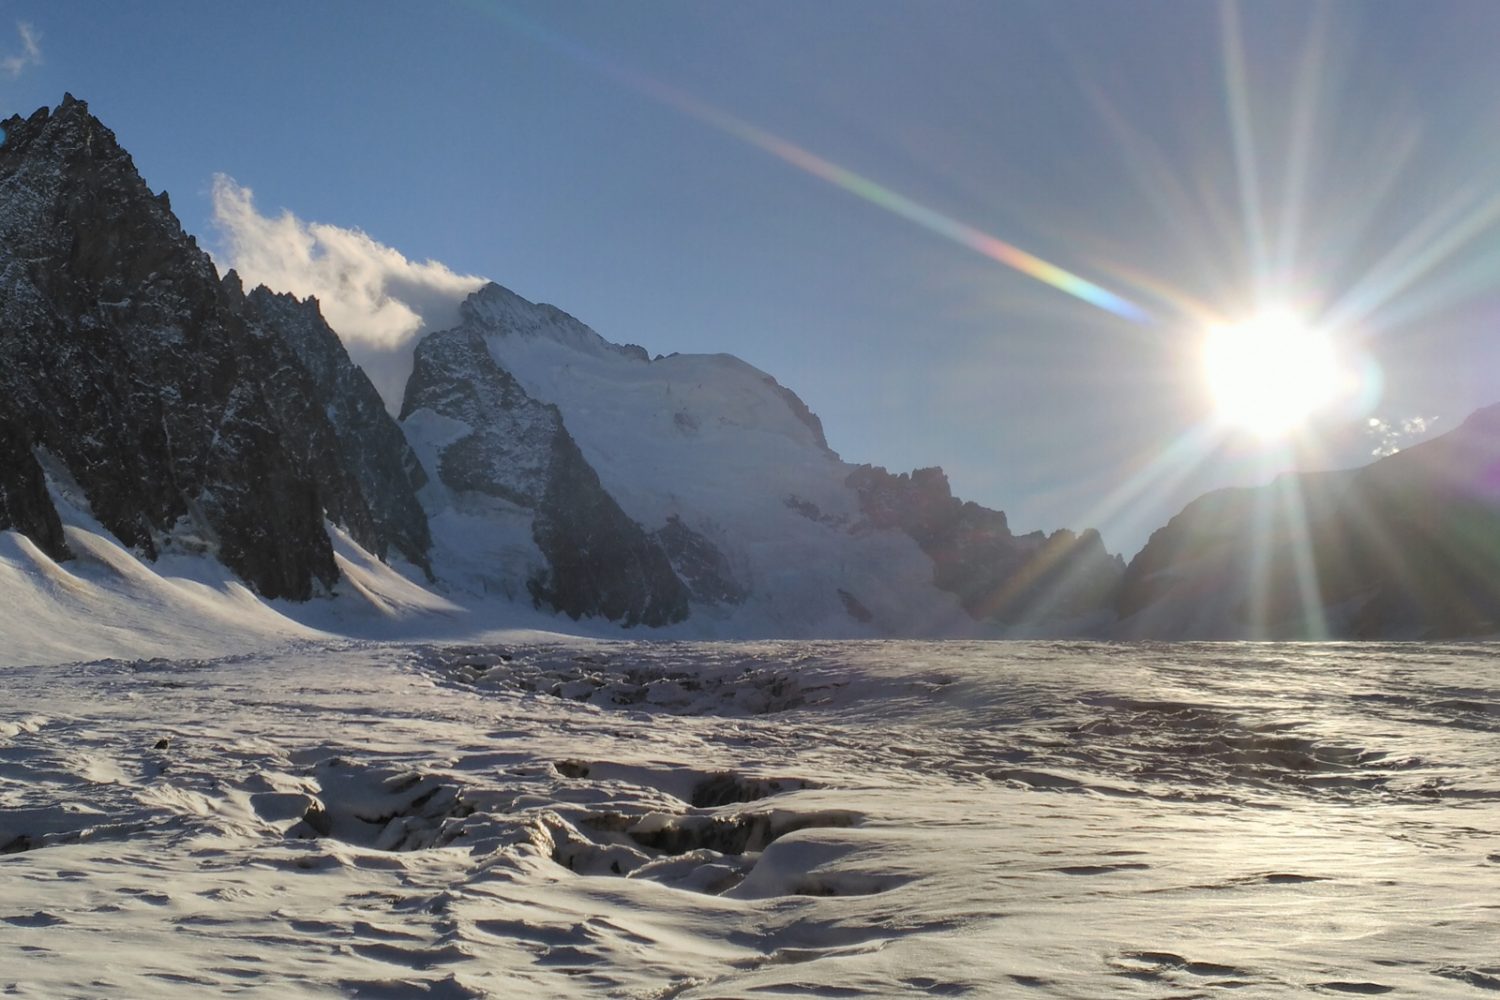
point(160, 400)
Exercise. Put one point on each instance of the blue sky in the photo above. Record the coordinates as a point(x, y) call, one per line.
point(529, 143)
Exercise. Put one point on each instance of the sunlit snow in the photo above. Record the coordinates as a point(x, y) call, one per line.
point(637, 819)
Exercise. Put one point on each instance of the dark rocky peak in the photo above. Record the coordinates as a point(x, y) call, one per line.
point(120, 354)
point(300, 323)
point(1406, 547)
point(920, 503)
point(72, 116)
point(370, 448)
point(498, 310)
point(233, 285)
point(997, 576)
point(66, 178)
point(181, 409)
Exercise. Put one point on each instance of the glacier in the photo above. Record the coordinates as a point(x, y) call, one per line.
point(558, 816)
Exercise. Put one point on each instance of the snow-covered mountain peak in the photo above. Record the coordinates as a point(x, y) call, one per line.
point(560, 359)
point(724, 470)
point(497, 310)
point(535, 458)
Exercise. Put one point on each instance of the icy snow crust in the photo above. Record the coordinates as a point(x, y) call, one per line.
point(632, 819)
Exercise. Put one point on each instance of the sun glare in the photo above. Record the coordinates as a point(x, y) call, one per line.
point(1270, 373)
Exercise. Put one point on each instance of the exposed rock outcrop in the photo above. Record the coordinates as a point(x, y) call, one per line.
point(803, 413)
point(24, 504)
point(998, 576)
point(370, 448)
point(700, 564)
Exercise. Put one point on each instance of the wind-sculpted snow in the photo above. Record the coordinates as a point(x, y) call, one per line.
point(702, 820)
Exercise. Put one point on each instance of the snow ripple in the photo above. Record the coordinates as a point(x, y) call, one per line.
point(763, 819)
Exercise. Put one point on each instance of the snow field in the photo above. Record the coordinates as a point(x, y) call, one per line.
point(589, 818)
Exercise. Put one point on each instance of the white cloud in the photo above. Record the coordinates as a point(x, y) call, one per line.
point(377, 301)
point(30, 55)
point(1391, 435)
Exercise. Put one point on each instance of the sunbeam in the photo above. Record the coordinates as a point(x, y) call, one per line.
point(1156, 479)
point(1245, 159)
point(1258, 572)
point(1265, 231)
point(1305, 118)
point(1313, 623)
point(1434, 240)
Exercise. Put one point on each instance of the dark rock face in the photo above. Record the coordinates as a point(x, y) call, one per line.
point(508, 452)
point(124, 356)
point(24, 504)
point(600, 562)
point(700, 564)
point(855, 607)
point(802, 413)
point(1406, 547)
point(371, 478)
point(996, 575)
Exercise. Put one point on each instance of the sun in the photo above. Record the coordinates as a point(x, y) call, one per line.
point(1270, 373)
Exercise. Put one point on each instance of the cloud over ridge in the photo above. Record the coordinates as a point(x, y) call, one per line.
point(30, 55)
point(378, 301)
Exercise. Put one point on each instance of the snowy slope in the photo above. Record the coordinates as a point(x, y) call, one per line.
point(108, 601)
point(719, 445)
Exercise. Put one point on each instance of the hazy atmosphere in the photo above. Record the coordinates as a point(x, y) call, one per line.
point(809, 187)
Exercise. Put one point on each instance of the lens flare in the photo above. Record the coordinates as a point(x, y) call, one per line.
point(1270, 373)
point(856, 184)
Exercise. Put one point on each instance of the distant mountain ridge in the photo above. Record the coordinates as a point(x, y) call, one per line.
point(537, 463)
point(1407, 547)
point(699, 484)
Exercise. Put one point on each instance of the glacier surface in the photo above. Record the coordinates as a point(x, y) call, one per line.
point(549, 816)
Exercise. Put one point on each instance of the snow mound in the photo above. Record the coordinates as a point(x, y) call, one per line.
point(108, 602)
